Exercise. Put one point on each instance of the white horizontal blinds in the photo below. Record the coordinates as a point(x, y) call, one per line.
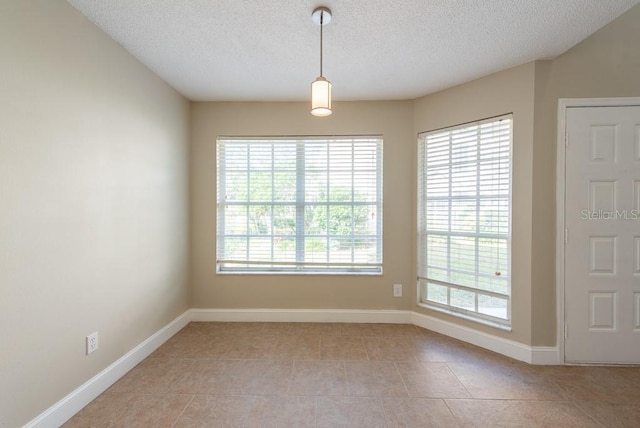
point(464, 182)
point(300, 204)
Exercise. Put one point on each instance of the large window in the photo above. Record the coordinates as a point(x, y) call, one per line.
point(299, 205)
point(464, 217)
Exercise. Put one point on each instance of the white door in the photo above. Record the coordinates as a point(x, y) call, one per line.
point(602, 251)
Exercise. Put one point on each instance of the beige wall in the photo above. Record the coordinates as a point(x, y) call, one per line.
point(543, 275)
point(509, 91)
point(93, 203)
point(391, 119)
point(607, 64)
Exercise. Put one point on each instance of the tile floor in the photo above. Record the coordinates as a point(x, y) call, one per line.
point(354, 375)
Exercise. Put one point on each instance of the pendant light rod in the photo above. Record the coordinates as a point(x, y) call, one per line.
point(321, 87)
point(321, 16)
point(321, 25)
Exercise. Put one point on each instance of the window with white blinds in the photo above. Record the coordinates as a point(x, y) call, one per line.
point(464, 218)
point(299, 204)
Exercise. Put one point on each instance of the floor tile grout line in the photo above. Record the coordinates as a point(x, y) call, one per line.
point(183, 410)
point(315, 414)
point(246, 417)
point(453, 414)
point(346, 376)
point(458, 379)
point(406, 388)
point(366, 353)
point(580, 410)
point(384, 412)
point(290, 380)
point(293, 372)
point(523, 400)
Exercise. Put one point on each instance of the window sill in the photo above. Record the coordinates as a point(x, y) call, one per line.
point(308, 273)
point(456, 314)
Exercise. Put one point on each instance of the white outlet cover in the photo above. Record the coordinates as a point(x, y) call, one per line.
point(92, 342)
point(397, 290)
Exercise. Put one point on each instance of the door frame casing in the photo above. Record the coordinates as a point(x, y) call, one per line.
point(563, 105)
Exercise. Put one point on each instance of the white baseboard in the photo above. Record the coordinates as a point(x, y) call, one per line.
point(302, 315)
point(518, 351)
point(64, 409)
point(546, 356)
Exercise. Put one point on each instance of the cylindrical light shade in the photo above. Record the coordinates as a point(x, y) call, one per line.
point(321, 97)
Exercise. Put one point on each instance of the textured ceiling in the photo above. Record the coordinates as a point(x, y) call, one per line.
point(260, 50)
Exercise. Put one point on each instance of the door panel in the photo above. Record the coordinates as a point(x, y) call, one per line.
point(602, 252)
point(603, 311)
point(636, 309)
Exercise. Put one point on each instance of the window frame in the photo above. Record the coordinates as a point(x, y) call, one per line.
point(226, 266)
point(421, 265)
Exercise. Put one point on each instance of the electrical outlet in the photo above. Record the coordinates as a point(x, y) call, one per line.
point(397, 290)
point(92, 342)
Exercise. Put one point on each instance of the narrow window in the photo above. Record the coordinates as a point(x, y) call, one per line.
point(299, 205)
point(464, 219)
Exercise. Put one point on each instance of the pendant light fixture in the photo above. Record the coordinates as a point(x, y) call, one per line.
point(321, 87)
